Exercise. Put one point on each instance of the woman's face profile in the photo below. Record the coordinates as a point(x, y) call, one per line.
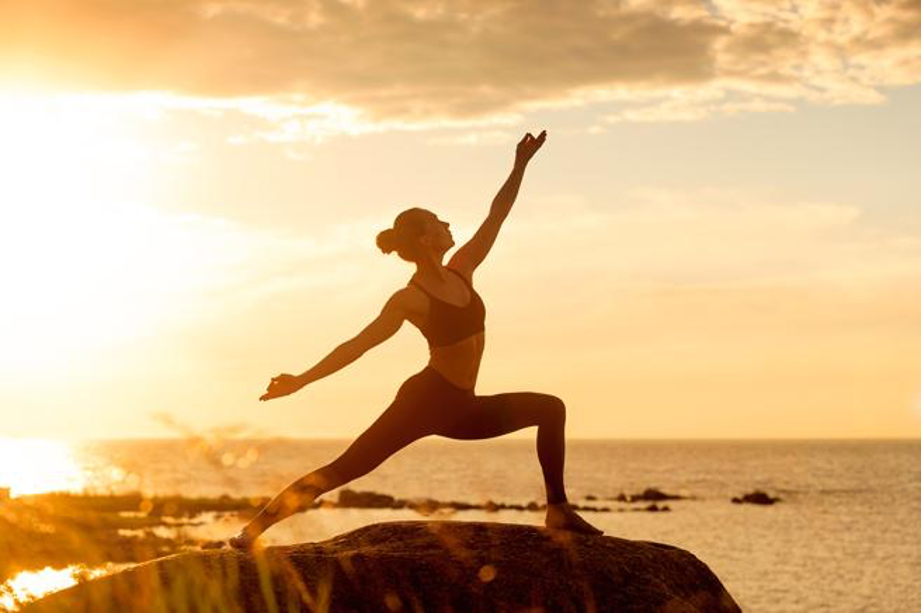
point(438, 235)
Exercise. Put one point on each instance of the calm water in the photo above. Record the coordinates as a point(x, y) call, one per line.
point(845, 537)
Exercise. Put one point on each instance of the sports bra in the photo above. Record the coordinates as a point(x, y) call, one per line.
point(447, 323)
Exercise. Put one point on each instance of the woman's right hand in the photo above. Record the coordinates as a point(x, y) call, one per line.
point(282, 385)
point(527, 147)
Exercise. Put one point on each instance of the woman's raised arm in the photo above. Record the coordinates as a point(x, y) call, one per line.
point(471, 254)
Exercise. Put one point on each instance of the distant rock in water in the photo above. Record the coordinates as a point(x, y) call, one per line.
point(649, 494)
point(367, 499)
point(757, 497)
point(416, 566)
point(654, 508)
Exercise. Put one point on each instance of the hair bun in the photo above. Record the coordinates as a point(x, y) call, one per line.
point(387, 240)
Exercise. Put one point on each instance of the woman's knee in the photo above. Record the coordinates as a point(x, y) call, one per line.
point(556, 409)
point(536, 408)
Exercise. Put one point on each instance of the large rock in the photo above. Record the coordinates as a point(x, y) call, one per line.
point(428, 566)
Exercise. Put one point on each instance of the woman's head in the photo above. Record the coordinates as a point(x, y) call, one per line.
point(415, 234)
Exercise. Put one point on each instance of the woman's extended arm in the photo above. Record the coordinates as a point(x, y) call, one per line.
point(383, 327)
point(344, 354)
point(471, 254)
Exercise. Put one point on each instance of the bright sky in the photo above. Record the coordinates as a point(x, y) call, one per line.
point(720, 238)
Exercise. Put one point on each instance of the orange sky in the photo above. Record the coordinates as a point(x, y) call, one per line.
point(719, 239)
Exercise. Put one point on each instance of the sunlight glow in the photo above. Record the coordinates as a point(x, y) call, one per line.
point(87, 264)
point(68, 237)
point(30, 466)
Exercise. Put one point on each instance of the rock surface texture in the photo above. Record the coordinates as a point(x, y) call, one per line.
point(430, 566)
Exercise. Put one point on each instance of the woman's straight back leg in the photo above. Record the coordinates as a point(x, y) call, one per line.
point(403, 422)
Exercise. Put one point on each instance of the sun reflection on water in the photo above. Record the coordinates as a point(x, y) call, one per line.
point(28, 586)
point(30, 466)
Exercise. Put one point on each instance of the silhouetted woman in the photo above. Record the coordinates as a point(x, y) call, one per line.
point(439, 400)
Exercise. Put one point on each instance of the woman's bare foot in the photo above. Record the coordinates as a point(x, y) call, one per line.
point(242, 541)
point(562, 516)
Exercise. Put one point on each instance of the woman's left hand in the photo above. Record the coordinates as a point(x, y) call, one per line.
point(282, 385)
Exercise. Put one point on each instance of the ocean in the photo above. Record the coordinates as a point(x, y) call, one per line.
point(844, 537)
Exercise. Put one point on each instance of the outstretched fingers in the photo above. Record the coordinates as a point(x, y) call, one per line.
point(273, 384)
point(281, 385)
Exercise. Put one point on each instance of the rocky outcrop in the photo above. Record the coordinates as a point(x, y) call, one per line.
point(416, 566)
point(758, 497)
point(426, 506)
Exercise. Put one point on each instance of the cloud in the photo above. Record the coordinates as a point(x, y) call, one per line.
point(479, 137)
point(657, 238)
point(409, 62)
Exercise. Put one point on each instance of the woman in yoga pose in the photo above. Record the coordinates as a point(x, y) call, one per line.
point(439, 400)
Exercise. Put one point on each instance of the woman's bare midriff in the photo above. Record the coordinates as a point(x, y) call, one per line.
point(459, 363)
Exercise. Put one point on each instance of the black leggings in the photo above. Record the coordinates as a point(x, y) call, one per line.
point(428, 404)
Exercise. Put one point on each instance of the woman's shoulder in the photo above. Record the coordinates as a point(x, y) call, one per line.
point(412, 297)
point(459, 266)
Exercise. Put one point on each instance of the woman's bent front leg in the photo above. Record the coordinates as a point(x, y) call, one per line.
point(493, 415)
point(489, 416)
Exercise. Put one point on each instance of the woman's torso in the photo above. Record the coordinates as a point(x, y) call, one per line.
point(459, 361)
